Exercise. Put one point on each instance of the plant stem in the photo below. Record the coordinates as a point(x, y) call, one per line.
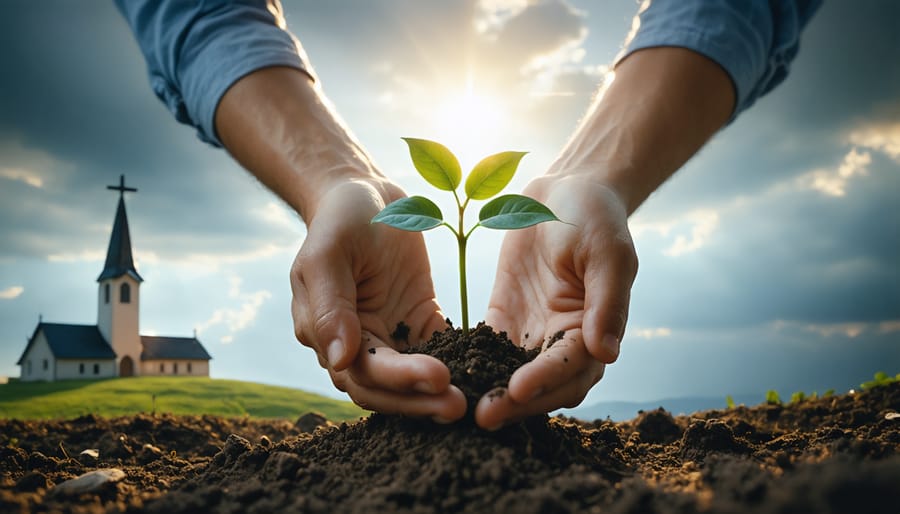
point(461, 238)
point(463, 293)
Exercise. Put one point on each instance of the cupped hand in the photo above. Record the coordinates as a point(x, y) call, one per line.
point(573, 277)
point(352, 283)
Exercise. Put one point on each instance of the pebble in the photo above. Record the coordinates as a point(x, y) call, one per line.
point(310, 421)
point(91, 452)
point(89, 482)
point(892, 415)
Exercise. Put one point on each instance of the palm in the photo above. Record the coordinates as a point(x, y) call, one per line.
point(572, 277)
point(353, 282)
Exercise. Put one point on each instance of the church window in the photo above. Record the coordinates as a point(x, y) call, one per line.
point(81, 368)
point(125, 293)
point(46, 364)
point(174, 368)
point(162, 367)
point(106, 293)
point(189, 367)
point(96, 369)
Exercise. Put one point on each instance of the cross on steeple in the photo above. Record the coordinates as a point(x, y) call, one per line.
point(121, 187)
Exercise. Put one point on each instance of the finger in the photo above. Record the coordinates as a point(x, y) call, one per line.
point(496, 409)
point(607, 294)
point(553, 367)
point(379, 366)
point(446, 407)
point(327, 306)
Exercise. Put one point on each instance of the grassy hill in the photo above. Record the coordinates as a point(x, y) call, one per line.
point(177, 395)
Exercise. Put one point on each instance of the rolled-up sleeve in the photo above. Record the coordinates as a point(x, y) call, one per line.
point(196, 50)
point(754, 41)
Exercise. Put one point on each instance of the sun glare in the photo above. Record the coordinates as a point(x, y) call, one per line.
point(470, 124)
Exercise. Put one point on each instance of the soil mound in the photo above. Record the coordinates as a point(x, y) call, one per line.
point(827, 455)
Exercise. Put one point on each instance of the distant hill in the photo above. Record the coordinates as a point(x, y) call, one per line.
point(622, 411)
point(176, 395)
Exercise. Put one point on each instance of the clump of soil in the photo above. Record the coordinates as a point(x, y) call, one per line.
point(479, 362)
point(828, 455)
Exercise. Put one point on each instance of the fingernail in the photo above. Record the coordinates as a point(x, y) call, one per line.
point(611, 344)
point(424, 387)
point(441, 421)
point(335, 352)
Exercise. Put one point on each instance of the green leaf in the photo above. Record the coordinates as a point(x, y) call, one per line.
point(514, 211)
point(492, 174)
point(413, 214)
point(435, 163)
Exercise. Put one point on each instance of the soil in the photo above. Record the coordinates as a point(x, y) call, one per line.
point(828, 455)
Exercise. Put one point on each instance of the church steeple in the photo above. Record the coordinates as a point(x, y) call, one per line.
point(118, 294)
point(119, 260)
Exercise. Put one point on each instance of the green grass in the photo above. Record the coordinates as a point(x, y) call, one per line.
point(176, 395)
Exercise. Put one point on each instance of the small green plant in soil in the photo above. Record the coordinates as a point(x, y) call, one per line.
point(440, 168)
point(881, 379)
point(772, 397)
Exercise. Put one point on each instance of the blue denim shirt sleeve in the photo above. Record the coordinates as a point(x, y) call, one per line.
point(196, 50)
point(754, 41)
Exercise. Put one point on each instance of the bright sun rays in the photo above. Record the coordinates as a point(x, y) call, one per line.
point(470, 123)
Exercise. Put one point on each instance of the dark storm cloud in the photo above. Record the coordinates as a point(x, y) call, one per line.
point(791, 255)
point(76, 92)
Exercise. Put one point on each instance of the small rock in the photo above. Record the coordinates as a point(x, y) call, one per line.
point(31, 482)
point(89, 457)
point(892, 415)
point(265, 441)
point(310, 421)
point(235, 445)
point(150, 453)
point(38, 460)
point(89, 482)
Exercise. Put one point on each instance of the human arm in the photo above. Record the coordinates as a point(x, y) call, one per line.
point(662, 105)
point(232, 71)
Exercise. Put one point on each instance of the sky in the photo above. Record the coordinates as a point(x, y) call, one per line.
point(770, 261)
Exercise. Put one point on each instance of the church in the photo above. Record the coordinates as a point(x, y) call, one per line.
point(113, 347)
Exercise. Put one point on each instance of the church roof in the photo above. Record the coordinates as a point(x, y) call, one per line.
point(159, 348)
point(118, 257)
point(72, 342)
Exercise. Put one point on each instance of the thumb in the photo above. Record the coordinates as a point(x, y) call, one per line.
point(329, 316)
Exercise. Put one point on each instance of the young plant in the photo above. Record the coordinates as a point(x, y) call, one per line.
point(441, 169)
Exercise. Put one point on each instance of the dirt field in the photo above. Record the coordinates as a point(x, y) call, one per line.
point(838, 454)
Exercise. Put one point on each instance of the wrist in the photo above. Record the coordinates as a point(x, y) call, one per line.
point(658, 108)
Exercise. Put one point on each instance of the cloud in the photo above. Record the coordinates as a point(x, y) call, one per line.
point(11, 292)
point(236, 318)
point(650, 333)
point(849, 330)
point(22, 175)
point(688, 233)
point(834, 182)
point(883, 136)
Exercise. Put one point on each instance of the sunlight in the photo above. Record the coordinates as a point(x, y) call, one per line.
point(470, 124)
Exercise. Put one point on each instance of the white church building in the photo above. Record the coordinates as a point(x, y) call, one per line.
point(113, 347)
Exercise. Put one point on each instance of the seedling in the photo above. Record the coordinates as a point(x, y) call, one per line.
point(440, 168)
point(772, 397)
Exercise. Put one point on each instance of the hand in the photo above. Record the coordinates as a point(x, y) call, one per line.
point(352, 283)
point(573, 277)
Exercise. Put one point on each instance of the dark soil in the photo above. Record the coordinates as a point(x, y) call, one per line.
point(830, 455)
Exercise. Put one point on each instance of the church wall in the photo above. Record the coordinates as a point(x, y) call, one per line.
point(199, 368)
point(38, 354)
point(67, 369)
